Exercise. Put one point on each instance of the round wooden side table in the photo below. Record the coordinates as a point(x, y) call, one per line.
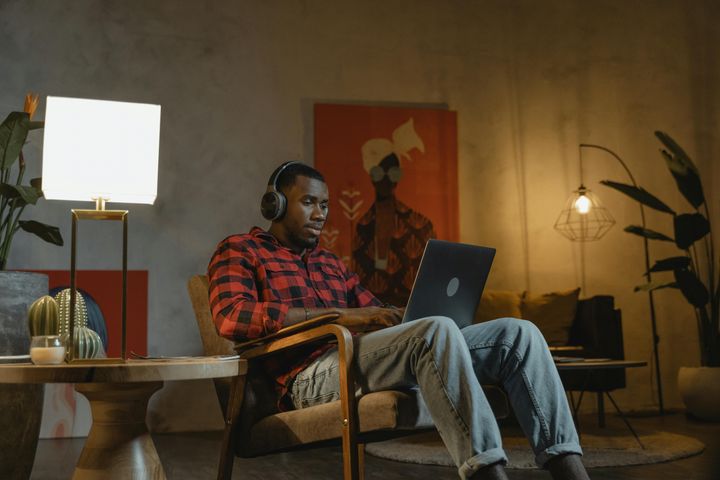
point(119, 445)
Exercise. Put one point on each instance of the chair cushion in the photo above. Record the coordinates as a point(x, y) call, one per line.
point(388, 410)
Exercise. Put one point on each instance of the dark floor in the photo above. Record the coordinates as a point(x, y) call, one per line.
point(193, 456)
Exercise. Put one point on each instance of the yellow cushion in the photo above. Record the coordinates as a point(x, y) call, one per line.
point(498, 304)
point(553, 313)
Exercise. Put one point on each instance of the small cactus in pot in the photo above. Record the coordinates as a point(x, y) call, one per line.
point(86, 342)
point(43, 317)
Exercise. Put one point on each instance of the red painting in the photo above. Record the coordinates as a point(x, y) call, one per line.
point(392, 177)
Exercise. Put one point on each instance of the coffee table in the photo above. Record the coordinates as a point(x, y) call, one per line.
point(592, 367)
point(119, 445)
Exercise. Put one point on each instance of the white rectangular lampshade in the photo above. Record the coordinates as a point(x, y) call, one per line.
point(99, 148)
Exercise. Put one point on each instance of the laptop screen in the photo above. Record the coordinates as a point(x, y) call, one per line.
point(450, 281)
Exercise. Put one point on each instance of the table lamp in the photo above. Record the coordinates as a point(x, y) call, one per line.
point(100, 151)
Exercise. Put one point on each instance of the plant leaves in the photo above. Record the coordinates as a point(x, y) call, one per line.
point(46, 232)
point(647, 233)
point(682, 168)
point(671, 263)
point(13, 132)
point(689, 228)
point(36, 125)
point(692, 288)
point(639, 194)
point(687, 180)
point(29, 194)
point(37, 183)
point(655, 285)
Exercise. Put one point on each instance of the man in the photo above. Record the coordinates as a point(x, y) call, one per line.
point(265, 280)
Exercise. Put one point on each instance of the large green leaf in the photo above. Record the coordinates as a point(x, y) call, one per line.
point(683, 170)
point(671, 263)
point(46, 232)
point(692, 288)
point(647, 233)
point(37, 183)
point(13, 132)
point(687, 179)
point(639, 194)
point(35, 125)
point(29, 194)
point(689, 228)
point(655, 285)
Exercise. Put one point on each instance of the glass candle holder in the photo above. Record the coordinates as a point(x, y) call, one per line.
point(47, 350)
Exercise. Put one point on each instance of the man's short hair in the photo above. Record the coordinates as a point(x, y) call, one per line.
point(287, 177)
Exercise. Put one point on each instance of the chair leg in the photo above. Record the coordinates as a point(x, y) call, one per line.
point(361, 460)
point(351, 456)
point(227, 452)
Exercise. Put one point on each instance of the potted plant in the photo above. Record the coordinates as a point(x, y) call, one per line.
point(695, 272)
point(19, 290)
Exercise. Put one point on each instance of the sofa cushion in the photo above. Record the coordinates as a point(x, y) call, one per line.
point(553, 313)
point(498, 304)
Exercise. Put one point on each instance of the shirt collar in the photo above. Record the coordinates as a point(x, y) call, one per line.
point(265, 235)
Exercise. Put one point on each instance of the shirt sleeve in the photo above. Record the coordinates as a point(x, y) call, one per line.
point(357, 295)
point(234, 302)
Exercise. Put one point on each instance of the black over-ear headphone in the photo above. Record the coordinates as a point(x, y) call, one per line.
point(274, 203)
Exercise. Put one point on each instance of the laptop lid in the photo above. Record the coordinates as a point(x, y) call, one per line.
point(450, 281)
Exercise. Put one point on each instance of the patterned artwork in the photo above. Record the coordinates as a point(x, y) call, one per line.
point(392, 176)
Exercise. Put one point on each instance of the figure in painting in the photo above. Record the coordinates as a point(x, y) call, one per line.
point(390, 237)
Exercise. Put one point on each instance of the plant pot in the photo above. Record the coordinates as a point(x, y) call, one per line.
point(700, 390)
point(20, 405)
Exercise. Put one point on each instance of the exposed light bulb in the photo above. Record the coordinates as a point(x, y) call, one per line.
point(583, 204)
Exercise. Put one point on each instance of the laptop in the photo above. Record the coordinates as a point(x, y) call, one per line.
point(449, 282)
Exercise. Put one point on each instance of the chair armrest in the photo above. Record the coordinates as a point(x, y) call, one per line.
point(348, 402)
point(341, 334)
point(287, 331)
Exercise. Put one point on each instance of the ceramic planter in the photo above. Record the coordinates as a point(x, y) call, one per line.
point(20, 405)
point(700, 390)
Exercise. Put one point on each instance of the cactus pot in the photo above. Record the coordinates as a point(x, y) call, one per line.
point(20, 405)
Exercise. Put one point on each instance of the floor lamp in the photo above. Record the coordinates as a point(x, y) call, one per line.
point(585, 219)
point(100, 151)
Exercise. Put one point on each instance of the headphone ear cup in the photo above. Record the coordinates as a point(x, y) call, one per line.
point(269, 205)
point(272, 205)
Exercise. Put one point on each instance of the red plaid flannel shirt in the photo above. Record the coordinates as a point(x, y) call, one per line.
point(254, 280)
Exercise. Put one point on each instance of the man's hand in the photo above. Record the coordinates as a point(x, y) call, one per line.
point(368, 319)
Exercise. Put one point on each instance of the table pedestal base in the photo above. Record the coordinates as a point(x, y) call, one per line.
point(119, 445)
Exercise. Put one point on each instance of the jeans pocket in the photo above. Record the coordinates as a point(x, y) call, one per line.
point(319, 399)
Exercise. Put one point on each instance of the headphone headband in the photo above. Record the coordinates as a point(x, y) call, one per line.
point(278, 171)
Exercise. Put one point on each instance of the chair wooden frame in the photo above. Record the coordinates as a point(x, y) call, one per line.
point(352, 449)
point(351, 429)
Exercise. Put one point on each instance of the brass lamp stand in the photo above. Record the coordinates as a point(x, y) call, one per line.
point(98, 214)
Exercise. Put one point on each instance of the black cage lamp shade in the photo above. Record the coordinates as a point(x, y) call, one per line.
point(584, 218)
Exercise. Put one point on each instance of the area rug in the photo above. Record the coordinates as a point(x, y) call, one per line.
point(599, 450)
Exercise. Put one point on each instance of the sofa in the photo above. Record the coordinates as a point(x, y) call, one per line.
point(593, 325)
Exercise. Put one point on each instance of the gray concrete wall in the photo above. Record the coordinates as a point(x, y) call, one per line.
point(529, 80)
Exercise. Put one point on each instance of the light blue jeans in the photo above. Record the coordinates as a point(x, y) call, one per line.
point(448, 365)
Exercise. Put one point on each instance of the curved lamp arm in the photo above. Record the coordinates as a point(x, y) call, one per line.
point(656, 338)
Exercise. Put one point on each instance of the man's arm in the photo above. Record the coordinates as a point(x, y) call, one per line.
point(365, 313)
point(362, 319)
point(236, 310)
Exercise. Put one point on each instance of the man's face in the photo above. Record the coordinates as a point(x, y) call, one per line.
point(307, 208)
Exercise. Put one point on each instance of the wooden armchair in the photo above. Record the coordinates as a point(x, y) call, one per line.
point(252, 428)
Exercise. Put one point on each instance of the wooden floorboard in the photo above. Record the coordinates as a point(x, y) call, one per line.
point(193, 456)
